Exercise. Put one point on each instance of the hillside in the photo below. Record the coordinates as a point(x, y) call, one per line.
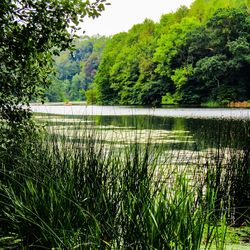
point(75, 70)
point(192, 56)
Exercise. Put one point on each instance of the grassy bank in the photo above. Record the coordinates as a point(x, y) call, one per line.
point(82, 194)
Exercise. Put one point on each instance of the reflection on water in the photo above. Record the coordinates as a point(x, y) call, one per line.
point(193, 129)
point(185, 145)
point(194, 135)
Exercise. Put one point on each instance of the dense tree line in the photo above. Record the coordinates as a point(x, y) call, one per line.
point(195, 55)
point(191, 56)
point(75, 69)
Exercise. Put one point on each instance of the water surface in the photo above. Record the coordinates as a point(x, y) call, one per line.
point(205, 113)
point(189, 129)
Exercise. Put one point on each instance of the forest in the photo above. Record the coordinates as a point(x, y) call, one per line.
point(75, 69)
point(196, 55)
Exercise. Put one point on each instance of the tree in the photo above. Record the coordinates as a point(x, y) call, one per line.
point(77, 68)
point(126, 73)
point(222, 66)
point(102, 83)
point(171, 55)
point(56, 91)
point(32, 31)
point(207, 62)
point(205, 9)
point(191, 56)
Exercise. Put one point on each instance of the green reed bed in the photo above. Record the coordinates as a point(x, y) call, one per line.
point(82, 194)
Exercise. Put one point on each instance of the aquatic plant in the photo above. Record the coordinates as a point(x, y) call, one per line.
point(84, 194)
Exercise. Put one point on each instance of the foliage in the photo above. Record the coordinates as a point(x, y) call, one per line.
point(91, 96)
point(204, 9)
point(127, 68)
point(172, 51)
point(75, 70)
point(193, 56)
point(219, 69)
point(105, 94)
point(31, 33)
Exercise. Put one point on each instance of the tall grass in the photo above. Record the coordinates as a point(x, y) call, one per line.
point(82, 194)
point(229, 163)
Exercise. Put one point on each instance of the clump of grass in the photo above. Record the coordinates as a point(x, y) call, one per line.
point(81, 194)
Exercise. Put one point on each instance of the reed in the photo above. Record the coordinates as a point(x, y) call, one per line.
point(82, 194)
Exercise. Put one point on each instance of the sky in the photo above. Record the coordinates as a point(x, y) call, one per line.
point(121, 15)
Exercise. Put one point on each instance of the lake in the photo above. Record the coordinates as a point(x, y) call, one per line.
point(191, 131)
point(189, 140)
point(229, 113)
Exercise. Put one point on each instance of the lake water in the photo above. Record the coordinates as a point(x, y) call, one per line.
point(189, 131)
point(188, 140)
point(229, 113)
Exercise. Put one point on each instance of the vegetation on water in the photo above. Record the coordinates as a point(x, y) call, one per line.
point(193, 56)
point(81, 194)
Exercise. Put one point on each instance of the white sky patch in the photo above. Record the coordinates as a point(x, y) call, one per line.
point(121, 15)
